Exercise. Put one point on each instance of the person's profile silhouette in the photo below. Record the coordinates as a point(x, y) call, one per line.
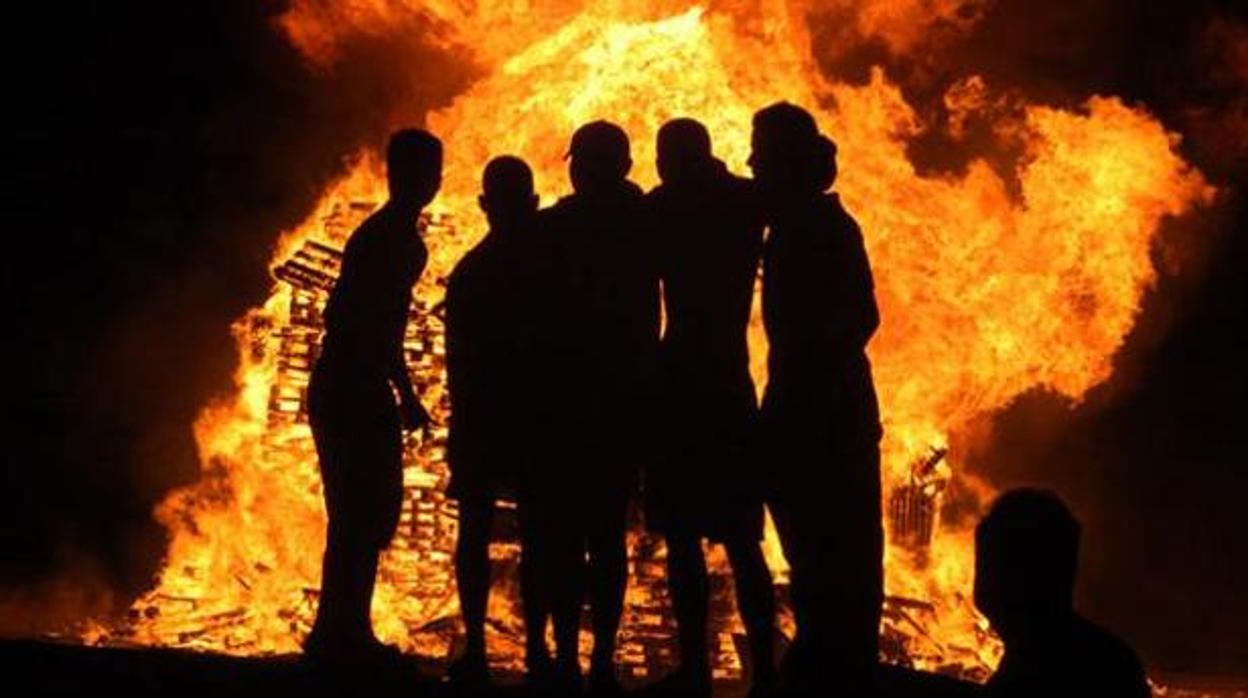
point(1026, 557)
point(356, 424)
point(820, 417)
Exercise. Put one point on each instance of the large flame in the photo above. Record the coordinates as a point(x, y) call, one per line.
point(987, 290)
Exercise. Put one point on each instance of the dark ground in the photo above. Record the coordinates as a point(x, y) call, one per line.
point(51, 669)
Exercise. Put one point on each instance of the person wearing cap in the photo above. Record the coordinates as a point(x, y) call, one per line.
point(820, 416)
point(608, 334)
point(705, 483)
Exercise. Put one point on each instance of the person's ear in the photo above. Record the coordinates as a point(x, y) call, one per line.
point(535, 201)
point(484, 203)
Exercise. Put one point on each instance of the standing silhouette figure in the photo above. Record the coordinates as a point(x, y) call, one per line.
point(820, 416)
point(609, 331)
point(1026, 556)
point(495, 299)
point(355, 422)
point(708, 229)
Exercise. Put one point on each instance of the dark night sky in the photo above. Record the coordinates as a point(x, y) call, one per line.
point(160, 146)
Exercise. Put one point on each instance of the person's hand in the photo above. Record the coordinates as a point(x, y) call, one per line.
point(414, 415)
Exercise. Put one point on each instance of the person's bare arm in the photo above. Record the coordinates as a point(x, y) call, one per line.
point(414, 414)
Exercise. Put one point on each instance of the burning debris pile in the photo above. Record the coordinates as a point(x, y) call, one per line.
point(989, 286)
point(419, 562)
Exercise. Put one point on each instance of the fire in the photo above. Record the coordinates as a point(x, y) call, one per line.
point(986, 291)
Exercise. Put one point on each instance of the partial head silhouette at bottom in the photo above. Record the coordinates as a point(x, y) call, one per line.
point(1026, 554)
point(1026, 550)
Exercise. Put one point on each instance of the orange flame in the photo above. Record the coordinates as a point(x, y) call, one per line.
point(984, 294)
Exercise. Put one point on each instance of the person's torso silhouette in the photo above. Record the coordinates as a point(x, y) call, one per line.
point(366, 315)
point(708, 231)
point(819, 310)
point(610, 300)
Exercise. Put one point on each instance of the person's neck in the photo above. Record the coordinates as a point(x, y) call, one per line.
point(602, 190)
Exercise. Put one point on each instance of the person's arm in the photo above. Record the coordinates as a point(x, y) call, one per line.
point(413, 413)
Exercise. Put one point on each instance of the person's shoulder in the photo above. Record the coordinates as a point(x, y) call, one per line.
point(659, 200)
point(1106, 656)
point(466, 267)
point(553, 217)
point(1100, 641)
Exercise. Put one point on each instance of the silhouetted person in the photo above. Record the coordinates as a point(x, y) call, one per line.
point(708, 230)
point(610, 309)
point(820, 416)
point(1026, 554)
point(355, 422)
point(494, 300)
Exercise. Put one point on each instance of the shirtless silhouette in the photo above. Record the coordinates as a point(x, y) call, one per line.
point(355, 422)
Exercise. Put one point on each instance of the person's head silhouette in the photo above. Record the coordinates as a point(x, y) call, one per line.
point(1026, 553)
point(788, 155)
point(413, 167)
point(600, 158)
point(507, 195)
point(684, 150)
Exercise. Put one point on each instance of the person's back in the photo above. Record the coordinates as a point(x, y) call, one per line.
point(610, 278)
point(708, 235)
point(1026, 552)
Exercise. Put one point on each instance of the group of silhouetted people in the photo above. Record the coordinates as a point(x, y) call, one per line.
point(597, 349)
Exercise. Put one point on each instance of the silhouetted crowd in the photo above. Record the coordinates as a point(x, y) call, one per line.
point(597, 349)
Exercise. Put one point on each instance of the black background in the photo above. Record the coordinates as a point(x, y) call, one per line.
point(156, 149)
